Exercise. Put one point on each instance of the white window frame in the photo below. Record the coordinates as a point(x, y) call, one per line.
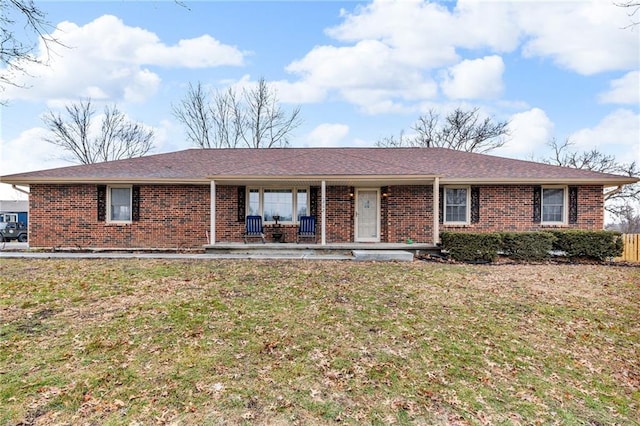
point(468, 205)
point(565, 205)
point(109, 215)
point(10, 217)
point(294, 192)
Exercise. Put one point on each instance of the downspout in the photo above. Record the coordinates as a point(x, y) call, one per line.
point(20, 189)
point(212, 214)
point(436, 210)
point(323, 212)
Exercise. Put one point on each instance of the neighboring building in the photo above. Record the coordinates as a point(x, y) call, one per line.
point(197, 197)
point(14, 211)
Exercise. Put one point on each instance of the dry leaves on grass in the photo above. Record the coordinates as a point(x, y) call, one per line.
point(161, 342)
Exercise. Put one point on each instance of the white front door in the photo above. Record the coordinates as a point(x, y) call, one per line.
point(367, 215)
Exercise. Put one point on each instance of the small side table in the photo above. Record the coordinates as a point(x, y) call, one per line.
point(277, 232)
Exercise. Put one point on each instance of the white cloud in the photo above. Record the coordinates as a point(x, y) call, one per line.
point(299, 92)
point(530, 132)
point(416, 31)
point(106, 59)
point(200, 52)
point(475, 79)
point(33, 153)
point(616, 134)
point(625, 90)
point(390, 50)
point(427, 34)
point(366, 74)
point(327, 135)
point(587, 37)
point(396, 46)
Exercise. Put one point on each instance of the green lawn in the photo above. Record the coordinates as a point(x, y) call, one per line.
point(145, 342)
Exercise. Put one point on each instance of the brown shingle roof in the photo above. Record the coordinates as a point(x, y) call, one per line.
point(201, 165)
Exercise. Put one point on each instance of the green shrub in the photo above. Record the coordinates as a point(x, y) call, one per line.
point(598, 245)
point(484, 247)
point(471, 247)
point(527, 245)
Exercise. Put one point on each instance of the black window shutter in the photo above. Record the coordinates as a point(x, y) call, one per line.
point(441, 205)
point(537, 204)
point(135, 203)
point(242, 199)
point(475, 204)
point(102, 203)
point(313, 201)
point(573, 204)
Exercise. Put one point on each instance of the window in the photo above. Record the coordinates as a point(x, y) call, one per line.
point(278, 202)
point(553, 205)
point(456, 205)
point(302, 203)
point(119, 204)
point(287, 203)
point(9, 217)
point(254, 203)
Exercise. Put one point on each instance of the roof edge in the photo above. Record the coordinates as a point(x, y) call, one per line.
point(607, 182)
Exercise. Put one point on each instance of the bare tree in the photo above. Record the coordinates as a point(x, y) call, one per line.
point(268, 126)
point(634, 7)
point(117, 137)
point(460, 130)
point(22, 26)
point(629, 221)
point(195, 112)
point(253, 119)
point(618, 201)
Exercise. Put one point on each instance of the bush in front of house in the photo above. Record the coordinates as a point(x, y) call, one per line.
point(599, 245)
point(527, 245)
point(538, 245)
point(471, 247)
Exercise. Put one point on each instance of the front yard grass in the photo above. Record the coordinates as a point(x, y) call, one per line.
point(296, 342)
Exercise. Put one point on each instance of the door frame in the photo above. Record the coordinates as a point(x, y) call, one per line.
point(356, 238)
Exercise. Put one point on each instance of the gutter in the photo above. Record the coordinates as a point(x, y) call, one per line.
point(20, 189)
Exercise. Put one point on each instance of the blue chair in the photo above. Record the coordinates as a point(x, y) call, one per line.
point(253, 228)
point(307, 228)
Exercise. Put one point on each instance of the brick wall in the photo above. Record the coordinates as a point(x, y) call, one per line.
point(510, 208)
point(339, 212)
point(407, 212)
point(177, 216)
point(228, 228)
point(171, 216)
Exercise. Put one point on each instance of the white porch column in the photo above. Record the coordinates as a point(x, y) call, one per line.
point(436, 210)
point(323, 207)
point(212, 214)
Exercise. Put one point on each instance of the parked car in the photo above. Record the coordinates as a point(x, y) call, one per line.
point(13, 231)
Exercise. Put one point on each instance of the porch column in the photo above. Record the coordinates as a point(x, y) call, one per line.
point(323, 205)
point(212, 214)
point(436, 210)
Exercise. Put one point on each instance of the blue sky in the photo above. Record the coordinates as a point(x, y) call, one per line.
point(359, 71)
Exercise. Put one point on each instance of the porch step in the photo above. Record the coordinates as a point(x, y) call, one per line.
point(382, 255)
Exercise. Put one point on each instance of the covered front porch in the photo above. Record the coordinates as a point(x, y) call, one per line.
point(351, 213)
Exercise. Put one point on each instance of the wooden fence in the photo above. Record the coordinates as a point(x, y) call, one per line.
point(631, 251)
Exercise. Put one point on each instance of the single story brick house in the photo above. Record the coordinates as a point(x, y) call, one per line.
point(199, 197)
